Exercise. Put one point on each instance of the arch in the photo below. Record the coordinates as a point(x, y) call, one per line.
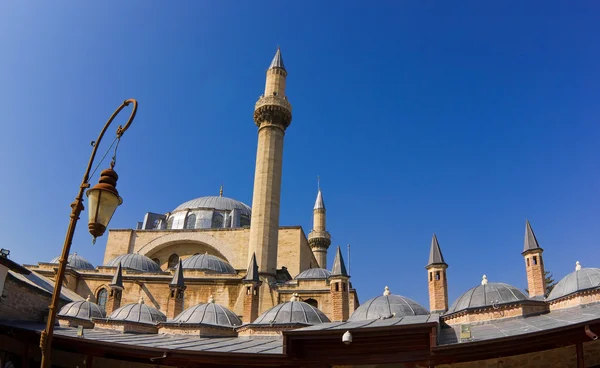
point(190, 222)
point(218, 247)
point(102, 297)
point(312, 302)
point(173, 260)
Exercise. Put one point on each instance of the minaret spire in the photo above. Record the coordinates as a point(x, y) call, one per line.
point(339, 289)
point(277, 60)
point(534, 264)
point(319, 238)
point(176, 292)
point(437, 278)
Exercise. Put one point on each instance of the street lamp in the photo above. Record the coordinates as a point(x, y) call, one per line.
point(104, 200)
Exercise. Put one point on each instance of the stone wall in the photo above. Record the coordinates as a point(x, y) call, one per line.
point(489, 313)
point(581, 298)
point(24, 302)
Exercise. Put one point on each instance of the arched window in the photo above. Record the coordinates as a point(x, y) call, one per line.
point(217, 221)
point(312, 302)
point(190, 222)
point(173, 260)
point(101, 298)
point(170, 223)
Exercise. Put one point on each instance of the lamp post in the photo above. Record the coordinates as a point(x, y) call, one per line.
point(104, 199)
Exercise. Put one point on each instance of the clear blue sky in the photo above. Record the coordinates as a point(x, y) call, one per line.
point(459, 118)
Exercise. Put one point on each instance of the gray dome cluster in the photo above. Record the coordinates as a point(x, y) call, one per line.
point(134, 261)
point(386, 306)
point(578, 280)
point(138, 312)
point(313, 274)
point(76, 261)
point(217, 203)
point(292, 312)
point(487, 294)
point(210, 314)
point(207, 262)
point(83, 309)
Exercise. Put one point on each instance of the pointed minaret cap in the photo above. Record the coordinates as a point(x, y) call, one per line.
point(435, 253)
point(339, 268)
point(178, 279)
point(531, 242)
point(277, 60)
point(484, 280)
point(117, 280)
point(577, 266)
point(319, 203)
point(252, 274)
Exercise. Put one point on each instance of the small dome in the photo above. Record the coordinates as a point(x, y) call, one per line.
point(387, 305)
point(217, 203)
point(292, 312)
point(578, 280)
point(138, 312)
point(487, 294)
point(209, 313)
point(134, 261)
point(76, 261)
point(313, 274)
point(83, 309)
point(207, 262)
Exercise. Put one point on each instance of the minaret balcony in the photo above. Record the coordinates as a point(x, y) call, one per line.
point(319, 235)
point(273, 101)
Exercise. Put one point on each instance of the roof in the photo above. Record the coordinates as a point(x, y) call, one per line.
point(13, 266)
point(46, 285)
point(387, 306)
point(313, 274)
point(207, 262)
point(488, 294)
point(578, 280)
point(134, 261)
point(339, 268)
point(178, 279)
point(435, 253)
point(277, 60)
point(531, 242)
point(75, 261)
point(138, 312)
point(319, 203)
point(217, 203)
point(209, 313)
point(372, 323)
point(292, 312)
point(83, 309)
point(252, 274)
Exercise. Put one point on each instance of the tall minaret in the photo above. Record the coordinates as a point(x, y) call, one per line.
point(534, 264)
point(319, 238)
point(272, 115)
point(438, 282)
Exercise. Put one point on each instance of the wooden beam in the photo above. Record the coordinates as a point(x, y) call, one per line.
point(580, 358)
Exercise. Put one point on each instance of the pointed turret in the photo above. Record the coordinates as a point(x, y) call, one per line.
point(251, 298)
point(534, 264)
point(113, 302)
point(435, 253)
point(277, 60)
point(339, 268)
point(252, 274)
point(178, 280)
point(319, 203)
point(176, 292)
point(531, 242)
point(339, 289)
point(437, 280)
point(117, 280)
point(319, 238)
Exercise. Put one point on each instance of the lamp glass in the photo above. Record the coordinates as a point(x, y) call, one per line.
point(102, 204)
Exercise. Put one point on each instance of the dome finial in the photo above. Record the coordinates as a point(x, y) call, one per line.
point(294, 297)
point(88, 298)
point(211, 299)
point(141, 301)
point(221, 191)
point(577, 266)
point(484, 280)
point(386, 291)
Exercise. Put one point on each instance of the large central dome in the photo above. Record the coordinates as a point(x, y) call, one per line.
point(217, 203)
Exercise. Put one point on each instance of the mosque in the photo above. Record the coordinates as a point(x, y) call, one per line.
point(216, 282)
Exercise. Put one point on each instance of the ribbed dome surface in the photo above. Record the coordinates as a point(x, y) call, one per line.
point(207, 262)
point(290, 313)
point(208, 313)
point(217, 203)
point(313, 274)
point(583, 279)
point(76, 261)
point(138, 312)
point(83, 309)
point(134, 261)
point(487, 295)
point(386, 306)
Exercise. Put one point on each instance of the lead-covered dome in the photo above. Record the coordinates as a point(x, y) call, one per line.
point(207, 262)
point(134, 261)
point(579, 280)
point(83, 309)
point(386, 306)
point(313, 274)
point(76, 261)
point(292, 312)
point(486, 295)
point(138, 312)
point(209, 313)
point(217, 203)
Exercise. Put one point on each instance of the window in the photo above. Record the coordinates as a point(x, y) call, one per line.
point(190, 222)
point(170, 223)
point(244, 221)
point(312, 302)
point(527, 262)
point(534, 260)
point(430, 276)
point(437, 275)
point(173, 260)
point(101, 298)
point(217, 222)
point(337, 287)
point(343, 286)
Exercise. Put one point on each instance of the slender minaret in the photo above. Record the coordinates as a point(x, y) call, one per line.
point(113, 301)
point(534, 265)
point(272, 115)
point(438, 282)
point(251, 297)
point(339, 289)
point(319, 238)
point(176, 293)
